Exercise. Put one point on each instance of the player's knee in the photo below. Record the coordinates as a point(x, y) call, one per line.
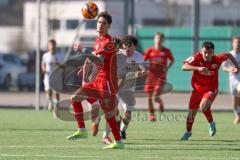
point(238, 89)
point(74, 98)
point(205, 104)
point(128, 116)
point(191, 116)
point(109, 114)
point(150, 98)
point(238, 94)
point(157, 99)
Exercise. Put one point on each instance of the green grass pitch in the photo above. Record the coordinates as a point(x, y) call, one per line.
point(36, 135)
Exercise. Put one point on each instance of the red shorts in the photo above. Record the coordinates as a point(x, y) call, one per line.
point(196, 98)
point(101, 89)
point(154, 83)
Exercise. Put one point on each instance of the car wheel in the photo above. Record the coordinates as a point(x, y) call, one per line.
point(7, 82)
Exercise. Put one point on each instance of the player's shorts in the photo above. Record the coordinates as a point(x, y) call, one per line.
point(154, 83)
point(46, 82)
point(197, 97)
point(100, 89)
point(128, 100)
point(233, 84)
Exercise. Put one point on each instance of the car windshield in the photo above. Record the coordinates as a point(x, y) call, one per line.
point(9, 58)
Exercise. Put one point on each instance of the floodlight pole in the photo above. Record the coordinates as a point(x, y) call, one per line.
point(37, 64)
point(126, 13)
point(132, 17)
point(195, 24)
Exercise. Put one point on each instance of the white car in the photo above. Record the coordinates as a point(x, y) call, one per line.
point(10, 68)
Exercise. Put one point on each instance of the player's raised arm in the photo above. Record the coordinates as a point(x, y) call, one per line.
point(236, 68)
point(86, 70)
point(226, 67)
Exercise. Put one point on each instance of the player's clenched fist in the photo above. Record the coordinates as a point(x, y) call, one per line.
point(203, 70)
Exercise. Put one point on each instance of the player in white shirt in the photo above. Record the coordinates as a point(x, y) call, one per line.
point(50, 61)
point(234, 79)
point(130, 65)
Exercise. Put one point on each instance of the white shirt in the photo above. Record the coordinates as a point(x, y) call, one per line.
point(131, 65)
point(49, 60)
point(135, 58)
point(228, 63)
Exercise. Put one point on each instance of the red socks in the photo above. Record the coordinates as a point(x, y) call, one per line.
point(114, 127)
point(189, 123)
point(78, 110)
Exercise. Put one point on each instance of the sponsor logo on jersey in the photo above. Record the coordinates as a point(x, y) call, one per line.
point(214, 66)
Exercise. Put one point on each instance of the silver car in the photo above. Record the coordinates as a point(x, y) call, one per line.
point(10, 68)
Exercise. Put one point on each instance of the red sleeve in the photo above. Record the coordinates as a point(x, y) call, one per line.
point(222, 57)
point(146, 54)
point(191, 60)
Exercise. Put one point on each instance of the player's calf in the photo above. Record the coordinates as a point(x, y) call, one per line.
point(94, 126)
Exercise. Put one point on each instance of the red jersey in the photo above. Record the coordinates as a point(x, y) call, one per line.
point(200, 81)
point(158, 59)
point(106, 48)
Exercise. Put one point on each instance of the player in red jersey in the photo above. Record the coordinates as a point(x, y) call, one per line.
point(205, 66)
point(104, 87)
point(160, 59)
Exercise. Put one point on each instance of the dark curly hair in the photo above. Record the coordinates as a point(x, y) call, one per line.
point(208, 45)
point(129, 40)
point(105, 15)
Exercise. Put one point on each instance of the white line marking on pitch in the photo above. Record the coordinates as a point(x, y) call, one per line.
point(128, 146)
point(110, 157)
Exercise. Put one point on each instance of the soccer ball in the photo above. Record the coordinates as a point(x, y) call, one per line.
point(89, 10)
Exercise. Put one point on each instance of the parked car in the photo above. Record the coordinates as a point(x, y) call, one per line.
point(10, 68)
point(27, 81)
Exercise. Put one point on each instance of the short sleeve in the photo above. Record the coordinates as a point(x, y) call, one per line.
point(222, 57)
point(190, 60)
